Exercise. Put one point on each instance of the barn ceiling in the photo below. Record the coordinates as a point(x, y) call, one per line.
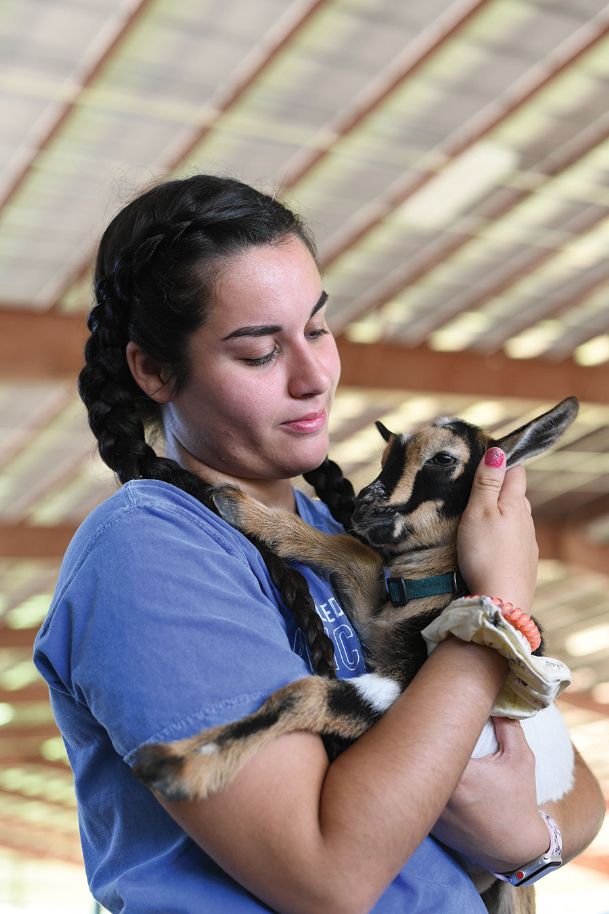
point(452, 159)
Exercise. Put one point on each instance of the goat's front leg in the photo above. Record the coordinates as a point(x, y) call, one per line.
point(206, 762)
point(355, 569)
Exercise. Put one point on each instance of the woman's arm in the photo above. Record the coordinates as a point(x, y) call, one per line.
point(492, 815)
point(580, 812)
point(504, 783)
point(306, 836)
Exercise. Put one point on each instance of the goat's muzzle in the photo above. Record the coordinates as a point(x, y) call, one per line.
point(372, 518)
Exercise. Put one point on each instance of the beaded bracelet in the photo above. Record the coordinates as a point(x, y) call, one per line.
point(521, 621)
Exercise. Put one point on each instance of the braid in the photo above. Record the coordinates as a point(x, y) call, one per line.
point(151, 291)
point(334, 489)
point(295, 593)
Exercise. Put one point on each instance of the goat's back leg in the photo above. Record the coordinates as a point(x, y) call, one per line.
point(206, 762)
point(503, 898)
point(356, 569)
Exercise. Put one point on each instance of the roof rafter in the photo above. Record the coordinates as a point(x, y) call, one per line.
point(454, 242)
point(90, 74)
point(56, 342)
point(29, 731)
point(536, 79)
point(227, 98)
point(414, 56)
point(36, 692)
point(585, 701)
point(64, 805)
point(20, 638)
point(569, 544)
point(27, 541)
point(51, 842)
point(395, 367)
point(40, 346)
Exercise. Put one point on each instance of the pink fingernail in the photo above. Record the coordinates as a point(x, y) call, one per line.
point(494, 457)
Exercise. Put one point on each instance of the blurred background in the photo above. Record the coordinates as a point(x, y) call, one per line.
point(452, 159)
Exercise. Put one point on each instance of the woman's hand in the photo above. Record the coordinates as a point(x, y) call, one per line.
point(492, 815)
point(496, 542)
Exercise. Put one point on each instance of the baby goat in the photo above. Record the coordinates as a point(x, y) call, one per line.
point(406, 521)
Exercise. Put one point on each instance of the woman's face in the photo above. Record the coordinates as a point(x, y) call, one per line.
point(263, 370)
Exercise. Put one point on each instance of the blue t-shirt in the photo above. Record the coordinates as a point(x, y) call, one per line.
point(165, 621)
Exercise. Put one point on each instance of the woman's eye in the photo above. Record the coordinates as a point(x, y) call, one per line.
point(315, 334)
point(441, 459)
point(263, 359)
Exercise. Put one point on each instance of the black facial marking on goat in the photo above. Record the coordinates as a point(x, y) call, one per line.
point(423, 485)
point(393, 466)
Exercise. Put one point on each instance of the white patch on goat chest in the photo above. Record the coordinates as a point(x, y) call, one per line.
point(379, 691)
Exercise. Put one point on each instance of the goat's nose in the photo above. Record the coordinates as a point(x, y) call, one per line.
point(366, 500)
point(372, 492)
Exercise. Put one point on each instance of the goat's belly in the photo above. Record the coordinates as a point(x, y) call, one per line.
point(547, 735)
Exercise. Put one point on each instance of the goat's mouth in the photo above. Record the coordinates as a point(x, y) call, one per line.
point(380, 526)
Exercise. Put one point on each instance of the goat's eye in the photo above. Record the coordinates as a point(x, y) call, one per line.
point(442, 459)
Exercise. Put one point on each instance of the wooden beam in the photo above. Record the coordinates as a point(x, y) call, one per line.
point(28, 732)
point(55, 346)
point(22, 638)
point(38, 346)
point(40, 839)
point(17, 760)
point(568, 543)
point(67, 805)
point(26, 541)
point(597, 862)
point(584, 701)
point(30, 694)
point(597, 507)
point(396, 367)
point(24, 848)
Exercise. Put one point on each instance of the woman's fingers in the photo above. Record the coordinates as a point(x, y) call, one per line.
point(513, 492)
point(488, 481)
point(496, 538)
point(510, 735)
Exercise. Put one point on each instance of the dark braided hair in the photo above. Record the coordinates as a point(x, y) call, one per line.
point(156, 269)
point(334, 489)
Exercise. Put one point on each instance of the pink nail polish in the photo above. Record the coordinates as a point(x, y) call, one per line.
point(494, 457)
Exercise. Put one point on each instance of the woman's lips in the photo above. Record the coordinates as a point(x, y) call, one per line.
point(312, 422)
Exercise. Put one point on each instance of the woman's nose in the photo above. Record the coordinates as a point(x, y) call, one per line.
point(308, 375)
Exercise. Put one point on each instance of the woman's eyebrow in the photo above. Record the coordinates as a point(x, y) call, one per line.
point(266, 329)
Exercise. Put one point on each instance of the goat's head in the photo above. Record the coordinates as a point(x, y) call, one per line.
point(425, 480)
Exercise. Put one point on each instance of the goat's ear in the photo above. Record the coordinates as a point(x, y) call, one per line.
point(386, 434)
point(539, 434)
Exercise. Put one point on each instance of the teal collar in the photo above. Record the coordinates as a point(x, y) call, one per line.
point(402, 590)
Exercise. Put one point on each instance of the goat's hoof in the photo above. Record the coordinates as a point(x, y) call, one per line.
point(227, 500)
point(161, 770)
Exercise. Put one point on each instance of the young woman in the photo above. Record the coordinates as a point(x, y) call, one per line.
point(210, 325)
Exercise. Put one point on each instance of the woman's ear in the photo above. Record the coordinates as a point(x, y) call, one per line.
point(152, 377)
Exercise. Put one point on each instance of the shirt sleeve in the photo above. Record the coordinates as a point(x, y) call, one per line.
point(167, 627)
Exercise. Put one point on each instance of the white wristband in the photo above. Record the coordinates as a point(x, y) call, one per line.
point(530, 872)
